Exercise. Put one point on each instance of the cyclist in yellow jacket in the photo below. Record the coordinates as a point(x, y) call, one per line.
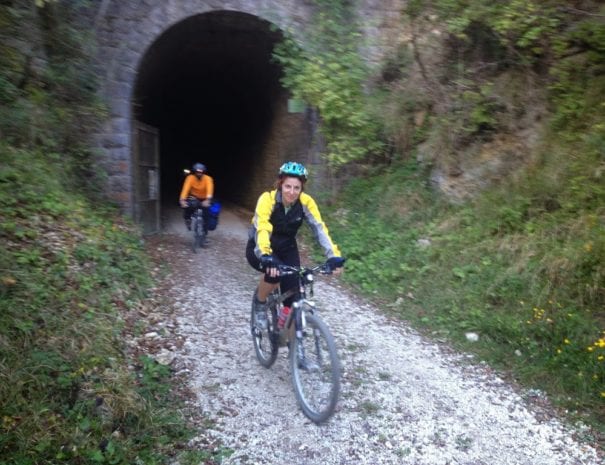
point(272, 235)
point(198, 186)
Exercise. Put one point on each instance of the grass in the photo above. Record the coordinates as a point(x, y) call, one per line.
point(522, 265)
point(529, 279)
point(70, 271)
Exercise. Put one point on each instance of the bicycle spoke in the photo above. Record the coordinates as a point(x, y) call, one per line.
point(316, 371)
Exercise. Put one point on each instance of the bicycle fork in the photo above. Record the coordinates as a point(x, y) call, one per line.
point(301, 324)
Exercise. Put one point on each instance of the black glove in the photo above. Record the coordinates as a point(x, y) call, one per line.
point(269, 261)
point(335, 262)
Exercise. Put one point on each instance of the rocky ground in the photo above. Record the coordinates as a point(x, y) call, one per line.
point(404, 399)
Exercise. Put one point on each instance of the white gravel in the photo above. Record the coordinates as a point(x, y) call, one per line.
point(404, 399)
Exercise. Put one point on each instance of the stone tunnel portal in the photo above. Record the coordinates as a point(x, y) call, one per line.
point(210, 88)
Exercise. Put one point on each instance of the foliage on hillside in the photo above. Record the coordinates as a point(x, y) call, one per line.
point(67, 270)
point(70, 267)
point(523, 263)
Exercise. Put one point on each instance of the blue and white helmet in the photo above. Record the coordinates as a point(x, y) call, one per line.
point(291, 168)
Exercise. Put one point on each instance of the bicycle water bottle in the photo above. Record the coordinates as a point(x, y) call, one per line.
point(283, 317)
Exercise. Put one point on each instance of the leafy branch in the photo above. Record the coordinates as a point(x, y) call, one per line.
point(327, 72)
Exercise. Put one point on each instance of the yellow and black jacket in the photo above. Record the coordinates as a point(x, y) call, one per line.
point(273, 229)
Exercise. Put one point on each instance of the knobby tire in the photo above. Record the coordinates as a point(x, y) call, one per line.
point(317, 381)
point(197, 226)
point(265, 345)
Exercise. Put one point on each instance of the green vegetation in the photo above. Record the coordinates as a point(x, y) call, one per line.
point(328, 73)
point(71, 271)
point(521, 263)
point(528, 280)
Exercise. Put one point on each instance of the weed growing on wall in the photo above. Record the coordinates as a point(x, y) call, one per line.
point(327, 72)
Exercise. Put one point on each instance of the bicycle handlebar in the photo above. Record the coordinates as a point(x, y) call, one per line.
point(289, 269)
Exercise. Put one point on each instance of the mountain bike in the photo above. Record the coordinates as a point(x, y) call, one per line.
point(314, 363)
point(197, 224)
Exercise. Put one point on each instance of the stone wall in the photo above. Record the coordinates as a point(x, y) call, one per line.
point(126, 29)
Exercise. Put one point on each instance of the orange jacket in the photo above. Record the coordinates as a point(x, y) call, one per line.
point(201, 188)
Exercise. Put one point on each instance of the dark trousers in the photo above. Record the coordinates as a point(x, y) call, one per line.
point(288, 256)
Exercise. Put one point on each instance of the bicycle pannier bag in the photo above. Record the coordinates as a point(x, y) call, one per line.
point(213, 213)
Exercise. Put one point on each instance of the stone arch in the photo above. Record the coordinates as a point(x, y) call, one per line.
point(127, 32)
point(154, 53)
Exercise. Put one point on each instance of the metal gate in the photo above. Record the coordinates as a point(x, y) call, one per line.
point(147, 177)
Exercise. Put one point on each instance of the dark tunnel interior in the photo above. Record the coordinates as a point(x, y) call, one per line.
point(209, 86)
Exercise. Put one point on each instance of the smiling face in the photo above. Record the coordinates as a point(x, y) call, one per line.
point(291, 188)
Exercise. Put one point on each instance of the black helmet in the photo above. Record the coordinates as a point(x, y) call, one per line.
point(199, 167)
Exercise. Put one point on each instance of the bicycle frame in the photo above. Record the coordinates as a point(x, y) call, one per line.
point(300, 307)
point(305, 286)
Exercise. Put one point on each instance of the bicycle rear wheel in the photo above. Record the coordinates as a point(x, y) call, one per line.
point(265, 344)
point(315, 369)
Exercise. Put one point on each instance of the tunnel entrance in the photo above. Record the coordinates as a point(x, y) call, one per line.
point(210, 89)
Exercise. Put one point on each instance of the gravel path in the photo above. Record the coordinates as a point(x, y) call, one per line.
point(404, 399)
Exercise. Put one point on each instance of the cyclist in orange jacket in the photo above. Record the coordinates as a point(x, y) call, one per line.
point(272, 236)
point(197, 186)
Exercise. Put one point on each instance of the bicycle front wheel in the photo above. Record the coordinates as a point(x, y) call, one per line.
point(198, 232)
point(315, 370)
